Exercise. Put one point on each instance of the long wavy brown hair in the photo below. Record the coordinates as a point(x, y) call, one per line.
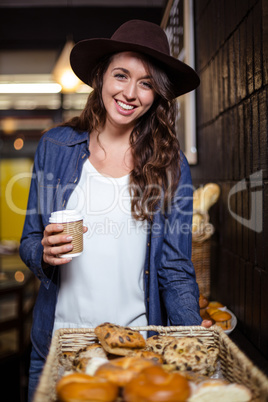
point(155, 147)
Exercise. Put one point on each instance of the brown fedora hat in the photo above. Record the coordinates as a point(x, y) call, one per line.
point(138, 36)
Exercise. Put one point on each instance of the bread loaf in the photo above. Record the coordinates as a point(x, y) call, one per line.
point(120, 371)
point(119, 340)
point(156, 385)
point(82, 387)
point(205, 197)
point(220, 391)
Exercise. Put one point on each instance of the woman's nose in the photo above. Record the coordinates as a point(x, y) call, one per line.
point(130, 91)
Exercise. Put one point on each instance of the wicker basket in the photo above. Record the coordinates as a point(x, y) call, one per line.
point(235, 366)
point(201, 245)
point(201, 262)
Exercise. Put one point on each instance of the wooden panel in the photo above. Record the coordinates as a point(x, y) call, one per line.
point(256, 304)
point(264, 314)
point(234, 108)
point(263, 127)
point(257, 42)
point(249, 53)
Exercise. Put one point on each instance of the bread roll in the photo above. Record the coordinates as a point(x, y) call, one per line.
point(191, 354)
point(211, 310)
point(222, 319)
point(205, 197)
point(119, 340)
point(215, 304)
point(121, 370)
point(220, 391)
point(82, 387)
point(203, 301)
point(148, 354)
point(157, 343)
point(198, 222)
point(154, 384)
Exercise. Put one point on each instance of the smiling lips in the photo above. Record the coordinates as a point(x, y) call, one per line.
point(125, 106)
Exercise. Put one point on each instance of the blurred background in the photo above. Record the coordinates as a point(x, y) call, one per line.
point(229, 131)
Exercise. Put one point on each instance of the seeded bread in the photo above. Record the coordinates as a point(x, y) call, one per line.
point(119, 340)
point(191, 354)
point(157, 343)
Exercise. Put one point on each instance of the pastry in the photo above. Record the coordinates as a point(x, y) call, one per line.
point(121, 370)
point(82, 387)
point(222, 319)
point(156, 385)
point(148, 354)
point(83, 356)
point(220, 391)
point(119, 340)
point(191, 354)
point(66, 360)
point(157, 343)
point(205, 197)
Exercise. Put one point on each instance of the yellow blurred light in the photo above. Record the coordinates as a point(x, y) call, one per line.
point(9, 125)
point(68, 81)
point(63, 73)
point(19, 276)
point(18, 144)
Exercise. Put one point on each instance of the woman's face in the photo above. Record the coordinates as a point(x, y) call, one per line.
point(127, 90)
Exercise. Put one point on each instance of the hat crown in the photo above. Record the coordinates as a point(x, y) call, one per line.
point(143, 33)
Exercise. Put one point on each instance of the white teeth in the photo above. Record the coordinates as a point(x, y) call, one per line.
point(124, 106)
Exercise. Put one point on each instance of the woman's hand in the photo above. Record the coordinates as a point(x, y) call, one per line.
point(55, 243)
point(206, 323)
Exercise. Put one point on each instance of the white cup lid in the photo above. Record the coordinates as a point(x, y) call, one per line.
point(67, 215)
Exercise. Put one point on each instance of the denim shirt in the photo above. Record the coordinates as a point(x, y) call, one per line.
point(171, 291)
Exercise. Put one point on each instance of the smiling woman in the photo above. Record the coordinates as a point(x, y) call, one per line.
point(127, 91)
point(118, 164)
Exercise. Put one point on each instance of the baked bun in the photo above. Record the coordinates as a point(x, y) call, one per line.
point(121, 370)
point(83, 356)
point(220, 391)
point(66, 360)
point(197, 222)
point(211, 310)
point(191, 354)
point(157, 343)
point(82, 387)
point(148, 354)
point(203, 301)
point(215, 304)
point(222, 319)
point(205, 197)
point(119, 340)
point(154, 384)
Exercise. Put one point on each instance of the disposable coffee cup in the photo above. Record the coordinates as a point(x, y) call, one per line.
point(72, 223)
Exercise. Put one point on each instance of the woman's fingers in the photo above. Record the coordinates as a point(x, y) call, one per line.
point(55, 243)
point(206, 323)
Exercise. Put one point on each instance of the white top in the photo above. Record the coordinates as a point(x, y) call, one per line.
point(105, 283)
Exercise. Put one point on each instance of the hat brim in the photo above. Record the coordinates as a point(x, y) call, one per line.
point(86, 54)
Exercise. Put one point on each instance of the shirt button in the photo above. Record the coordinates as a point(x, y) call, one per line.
point(148, 299)
point(147, 272)
point(148, 244)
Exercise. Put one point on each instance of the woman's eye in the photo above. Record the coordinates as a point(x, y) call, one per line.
point(147, 84)
point(120, 76)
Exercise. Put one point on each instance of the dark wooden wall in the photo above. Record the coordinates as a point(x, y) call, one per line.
point(231, 58)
